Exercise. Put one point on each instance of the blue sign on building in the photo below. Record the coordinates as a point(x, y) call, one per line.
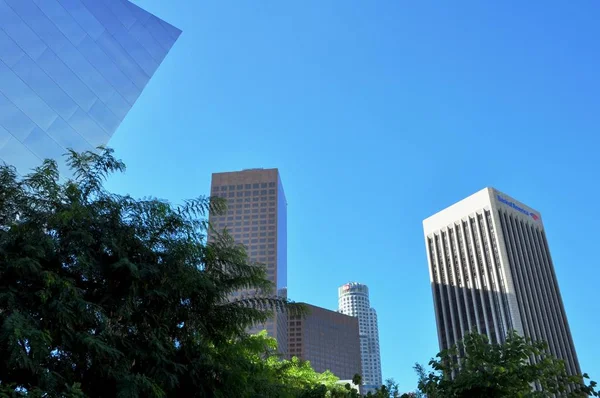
point(517, 208)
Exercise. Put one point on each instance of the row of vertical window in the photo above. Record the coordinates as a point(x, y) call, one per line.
point(244, 186)
point(245, 217)
point(242, 194)
point(241, 223)
point(469, 292)
point(540, 306)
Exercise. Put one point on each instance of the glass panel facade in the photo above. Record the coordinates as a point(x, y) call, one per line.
point(70, 71)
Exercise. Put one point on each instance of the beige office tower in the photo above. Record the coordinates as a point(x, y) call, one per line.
point(491, 271)
point(256, 216)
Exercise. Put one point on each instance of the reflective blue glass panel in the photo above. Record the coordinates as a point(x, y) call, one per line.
point(70, 71)
point(281, 236)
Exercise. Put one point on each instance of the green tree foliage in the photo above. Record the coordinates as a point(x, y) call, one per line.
point(103, 295)
point(475, 368)
point(389, 390)
point(265, 374)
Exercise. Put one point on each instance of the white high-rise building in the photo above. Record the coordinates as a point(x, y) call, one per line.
point(353, 300)
point(491, 271)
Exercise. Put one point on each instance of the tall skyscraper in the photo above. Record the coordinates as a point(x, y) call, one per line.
point(70, 70)
point(256, 217)
point(353, 300)
point(328, 339)
point(491, 271)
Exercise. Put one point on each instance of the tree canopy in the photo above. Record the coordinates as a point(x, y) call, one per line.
point(255, 360)
point(391, 389)
point(475, 368)
point(104, 295)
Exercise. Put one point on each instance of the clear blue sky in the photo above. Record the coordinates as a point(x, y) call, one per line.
point(379, 114)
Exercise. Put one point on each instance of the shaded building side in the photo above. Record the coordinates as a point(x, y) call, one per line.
point(328, 339)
